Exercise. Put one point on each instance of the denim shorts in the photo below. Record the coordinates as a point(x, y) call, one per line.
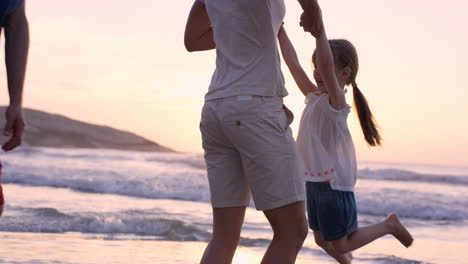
point(331, 212)
point(7, 7)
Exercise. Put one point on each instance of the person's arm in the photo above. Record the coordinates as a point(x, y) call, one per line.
point(198, 31)
point(326, 68)
point(290, 57)
point(313, 23)
point(16, 56)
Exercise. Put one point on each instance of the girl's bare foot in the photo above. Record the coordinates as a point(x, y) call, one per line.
point(399, 231)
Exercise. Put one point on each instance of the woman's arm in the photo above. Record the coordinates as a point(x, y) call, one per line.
point(16, 52)
point(198, 31)
point(16, 57)
point(290, 57)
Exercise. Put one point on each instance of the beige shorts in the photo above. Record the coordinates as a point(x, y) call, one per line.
point(250, 151)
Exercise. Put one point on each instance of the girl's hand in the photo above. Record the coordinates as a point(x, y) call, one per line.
point(281, 29)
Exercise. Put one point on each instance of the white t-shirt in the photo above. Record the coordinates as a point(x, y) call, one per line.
point(247, 58)
point(325, 145)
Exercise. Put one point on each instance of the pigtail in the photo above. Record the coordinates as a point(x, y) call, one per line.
point(366, 119)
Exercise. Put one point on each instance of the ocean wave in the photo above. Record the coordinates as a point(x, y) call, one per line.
point(416, 204)
point(161, 183)
point(134, 222)
point(68, 153)
point(50, 220)
point(371, 201)
point(100, 155)
point(195, 161)
point(404, 175)
point(182, 177)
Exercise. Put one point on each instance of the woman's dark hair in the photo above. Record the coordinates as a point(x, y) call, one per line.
point(345, 55)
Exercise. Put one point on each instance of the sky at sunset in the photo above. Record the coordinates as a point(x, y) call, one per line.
point(123, 64)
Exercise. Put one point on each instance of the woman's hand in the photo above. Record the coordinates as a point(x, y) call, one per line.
point(311, 18)
point(14, 127)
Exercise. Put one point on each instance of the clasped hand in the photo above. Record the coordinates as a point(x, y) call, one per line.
point(311, 18)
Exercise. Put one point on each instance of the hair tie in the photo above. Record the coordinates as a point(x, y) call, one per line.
point(354, 84)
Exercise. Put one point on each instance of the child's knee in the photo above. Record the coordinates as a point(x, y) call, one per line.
point(340, 247)
point(325, 245)
point(321, 243)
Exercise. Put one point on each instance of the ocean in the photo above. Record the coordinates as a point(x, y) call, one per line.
point(92, 206)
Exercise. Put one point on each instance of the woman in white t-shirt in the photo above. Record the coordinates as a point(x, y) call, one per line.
point(326, 148)
point(249, 148)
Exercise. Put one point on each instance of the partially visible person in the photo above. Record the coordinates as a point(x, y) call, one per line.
point(15, 25)
point(326, 147)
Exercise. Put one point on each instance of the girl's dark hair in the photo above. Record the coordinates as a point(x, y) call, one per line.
point(345, 55)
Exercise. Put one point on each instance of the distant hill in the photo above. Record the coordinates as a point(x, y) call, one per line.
point(57, 131)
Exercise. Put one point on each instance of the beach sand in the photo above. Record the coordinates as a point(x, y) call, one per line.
point(34, 248)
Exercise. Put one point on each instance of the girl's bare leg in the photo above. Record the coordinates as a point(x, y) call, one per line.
point(328, 247)
point(365, 235)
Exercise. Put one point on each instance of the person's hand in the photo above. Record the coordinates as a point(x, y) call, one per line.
point(281, 29)
point(14, 127)
point(311, 18)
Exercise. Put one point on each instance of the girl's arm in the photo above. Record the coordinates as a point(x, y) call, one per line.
point(290, 57)
point(198, 31)
point(326, 65)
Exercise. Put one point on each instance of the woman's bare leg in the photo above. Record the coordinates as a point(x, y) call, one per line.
point(227, 225)
point(290, 230)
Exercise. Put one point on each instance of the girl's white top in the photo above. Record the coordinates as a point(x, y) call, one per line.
point(325, 145)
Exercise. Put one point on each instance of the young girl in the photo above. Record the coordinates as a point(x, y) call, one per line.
point(325, 144)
